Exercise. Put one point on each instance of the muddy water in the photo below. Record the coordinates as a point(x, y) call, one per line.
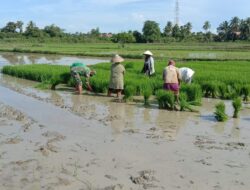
point(25, 58)
point(66, 141)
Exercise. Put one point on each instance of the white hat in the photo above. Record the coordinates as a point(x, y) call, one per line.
point(147, 53)
point(117, 59)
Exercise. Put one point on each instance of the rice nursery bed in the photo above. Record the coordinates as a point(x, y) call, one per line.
point(223, 79)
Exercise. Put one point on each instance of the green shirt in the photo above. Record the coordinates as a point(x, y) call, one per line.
point(80, 68)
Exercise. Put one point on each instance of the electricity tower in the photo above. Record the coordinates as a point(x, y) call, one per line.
point(177, 12)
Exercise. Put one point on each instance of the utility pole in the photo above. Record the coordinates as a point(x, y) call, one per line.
point(177, 11)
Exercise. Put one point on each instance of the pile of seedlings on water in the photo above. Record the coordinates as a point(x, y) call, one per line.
point(220, 113)
point(237, 104)
point(147, 92)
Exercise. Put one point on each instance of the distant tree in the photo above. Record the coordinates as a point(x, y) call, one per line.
point(19, 26)
point(138, 37)
point(206, 26)
point(223, 31)
point(10, 27)
point(123, 37)
point(188, 28)
point(53, 31)
point(234, 28)
point(95, 32)
point(176, 32)
point(151, 31)
point(245, 29)
point(168, 29)
point(32, 30)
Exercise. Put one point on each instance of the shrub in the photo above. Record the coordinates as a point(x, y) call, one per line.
point(237, 104)
point(220, 114)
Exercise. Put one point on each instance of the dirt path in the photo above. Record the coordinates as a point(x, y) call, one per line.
point(56, 140)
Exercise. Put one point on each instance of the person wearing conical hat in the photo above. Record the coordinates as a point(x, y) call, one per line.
point(79, 69)
point(116, 82)
point(148, 67)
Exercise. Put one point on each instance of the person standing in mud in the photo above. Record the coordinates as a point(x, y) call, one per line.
point(171, 78)
point(148, 67)
point(116, 82)
point(77, 70)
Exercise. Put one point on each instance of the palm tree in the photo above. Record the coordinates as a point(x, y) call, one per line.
point(234, 28)
point(223, 30)
point(207, 26)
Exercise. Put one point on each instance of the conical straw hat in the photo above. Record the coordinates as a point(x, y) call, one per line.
point(117, 59)
point(147, 53)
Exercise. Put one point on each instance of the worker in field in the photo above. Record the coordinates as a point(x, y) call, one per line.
point(171, 78)
point(79, 70)
point(116, 82)
point(186, 74)
point(148, 67)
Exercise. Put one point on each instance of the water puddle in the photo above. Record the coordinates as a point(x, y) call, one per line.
point(10, 58)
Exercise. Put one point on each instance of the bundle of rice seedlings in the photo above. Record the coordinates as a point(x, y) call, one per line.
point(166, 99)
point(184, 104)
point(210, 89)
point(237, 104)
point(245, 91)
point(129, 91)
point(147, 92)
point(220, 114)
point(193, 92)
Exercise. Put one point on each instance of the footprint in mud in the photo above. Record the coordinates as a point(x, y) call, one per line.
point(112, 187)
point(146, 179)
point(14, 140)
point(110, 177)
point(49, 147)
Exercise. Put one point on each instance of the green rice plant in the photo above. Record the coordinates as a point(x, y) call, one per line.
point(220, 114)
point(129, 92)
point(245, 92)
point(129, 65)
point(193, 92)
point(210, 89)
point(223, 90)
point(147, 92)
point(166, 99)
point(184, 104)
point(237, 104)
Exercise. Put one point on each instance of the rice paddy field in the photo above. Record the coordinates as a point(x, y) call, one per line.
point(215, 79)
point(182, 51)
point(90, 141)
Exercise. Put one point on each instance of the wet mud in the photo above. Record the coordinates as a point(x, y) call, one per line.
point(59, 140)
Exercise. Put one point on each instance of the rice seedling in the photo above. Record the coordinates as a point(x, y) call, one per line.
point(129, 91)
point(147, 92)
point(184, 104)
point(166, 99)
point(237, 104)
point(220, 114)
point(245, 91)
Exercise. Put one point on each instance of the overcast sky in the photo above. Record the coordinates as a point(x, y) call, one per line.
point(120, 15)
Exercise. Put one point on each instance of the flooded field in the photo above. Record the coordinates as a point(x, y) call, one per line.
point(7, 58)
point(59, 140)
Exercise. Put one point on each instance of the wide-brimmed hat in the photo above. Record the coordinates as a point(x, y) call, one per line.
point(147, 53)
point(117, 59)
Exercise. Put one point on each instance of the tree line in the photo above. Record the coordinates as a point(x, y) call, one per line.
point(235, 29)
